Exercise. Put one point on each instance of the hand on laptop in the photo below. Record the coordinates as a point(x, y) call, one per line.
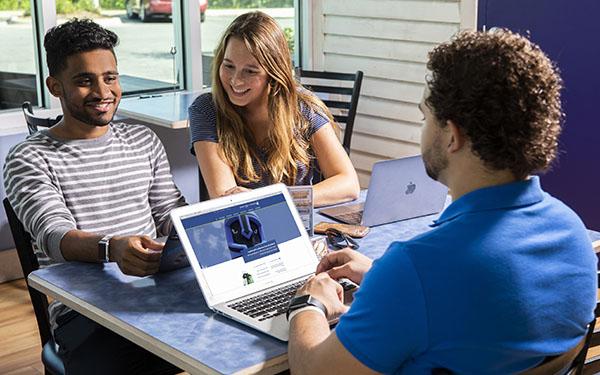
point(345, 263)
point(136, 255)
point(327, 291)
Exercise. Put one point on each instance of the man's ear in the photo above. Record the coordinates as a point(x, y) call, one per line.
point(457, 137)
point(54, 86)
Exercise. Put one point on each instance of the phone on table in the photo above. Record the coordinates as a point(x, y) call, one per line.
point(173, 256)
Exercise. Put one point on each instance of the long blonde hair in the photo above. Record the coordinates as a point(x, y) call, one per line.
point(287, 142)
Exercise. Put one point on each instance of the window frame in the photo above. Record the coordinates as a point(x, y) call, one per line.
point(187, 37)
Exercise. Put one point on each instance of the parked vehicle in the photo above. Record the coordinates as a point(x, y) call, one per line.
point(147, 9)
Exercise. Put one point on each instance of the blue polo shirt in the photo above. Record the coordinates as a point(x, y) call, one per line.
point(506, 277)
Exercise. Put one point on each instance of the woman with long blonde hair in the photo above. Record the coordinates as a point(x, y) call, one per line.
point(258, 126)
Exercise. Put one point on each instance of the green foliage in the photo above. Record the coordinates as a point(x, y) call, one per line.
point(73, 6)
point(237, 4)
point(112, 4)
point(289, 36)
point(15, 5)
point(62, 6)
point(69, 6)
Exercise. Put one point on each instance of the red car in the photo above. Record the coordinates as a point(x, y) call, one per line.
point(146, 9)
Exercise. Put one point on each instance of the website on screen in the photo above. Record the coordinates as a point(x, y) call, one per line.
point(247, 244)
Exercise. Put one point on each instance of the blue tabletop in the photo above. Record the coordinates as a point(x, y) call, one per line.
point(170, 307)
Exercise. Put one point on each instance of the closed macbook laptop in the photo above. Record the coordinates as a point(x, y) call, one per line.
point(399, 189)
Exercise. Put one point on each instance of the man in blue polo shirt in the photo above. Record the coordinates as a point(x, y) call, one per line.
point(507, 275)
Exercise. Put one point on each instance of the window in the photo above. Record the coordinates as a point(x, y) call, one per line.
point(222, 12)
point(152, 33)
point(146, 53)
point(19, 80)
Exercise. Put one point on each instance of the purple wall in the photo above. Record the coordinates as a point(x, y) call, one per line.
point(569, 32)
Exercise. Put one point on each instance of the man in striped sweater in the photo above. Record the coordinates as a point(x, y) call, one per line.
point(91, 190)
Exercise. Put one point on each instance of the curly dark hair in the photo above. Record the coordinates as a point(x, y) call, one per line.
point(75, 36)
point(504, 93)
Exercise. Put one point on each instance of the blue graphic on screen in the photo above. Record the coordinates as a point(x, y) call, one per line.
point(259, 227)
point(243, 232)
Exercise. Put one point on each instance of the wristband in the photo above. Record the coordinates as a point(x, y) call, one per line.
point(103, 249)
point(303, 309)
point(299, 302)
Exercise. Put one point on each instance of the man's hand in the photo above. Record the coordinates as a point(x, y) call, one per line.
point(345, 263)
point(328, 291)
point(136, 255)
point(235, 190)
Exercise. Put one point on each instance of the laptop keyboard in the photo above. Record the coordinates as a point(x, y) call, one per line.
point(270, 304)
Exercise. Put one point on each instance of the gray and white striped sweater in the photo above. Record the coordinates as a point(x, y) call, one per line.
point(117, 184)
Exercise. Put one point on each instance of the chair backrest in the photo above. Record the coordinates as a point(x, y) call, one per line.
point(340, 93)
point(592, 362)
point(202, 189)
point(564, 363)
point(578, 364)
point(29, 263)
point(577, 361)
point(33, 122)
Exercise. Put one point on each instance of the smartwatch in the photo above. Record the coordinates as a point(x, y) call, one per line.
point(299, 302)
point(103, 247)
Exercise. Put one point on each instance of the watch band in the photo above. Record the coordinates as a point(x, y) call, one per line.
point(103, 249)
point(303, 309)
point(298, 302)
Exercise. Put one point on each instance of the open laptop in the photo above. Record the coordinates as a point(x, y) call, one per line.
point(250, 253)
point(399, 189)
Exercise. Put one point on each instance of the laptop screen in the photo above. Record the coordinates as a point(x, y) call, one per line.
point(247, 245)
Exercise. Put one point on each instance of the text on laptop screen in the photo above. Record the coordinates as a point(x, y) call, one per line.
point(249, 243)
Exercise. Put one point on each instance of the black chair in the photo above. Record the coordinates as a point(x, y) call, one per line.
point(202, 189)
point(570, 362)
point(50, 359)
point(339, 92)
point(592, 364)
point(33, 122)
point(580, 364)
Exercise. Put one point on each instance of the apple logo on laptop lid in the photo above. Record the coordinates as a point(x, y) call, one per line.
point(410, 188)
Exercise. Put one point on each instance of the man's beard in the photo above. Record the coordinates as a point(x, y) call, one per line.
point(435, 162)
point(81, 115)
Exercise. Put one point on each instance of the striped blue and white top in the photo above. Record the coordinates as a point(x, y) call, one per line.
point(117, 184)
point(203, 127)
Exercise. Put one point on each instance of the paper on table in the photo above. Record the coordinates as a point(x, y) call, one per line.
point(320, 246)
point(302, 195)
